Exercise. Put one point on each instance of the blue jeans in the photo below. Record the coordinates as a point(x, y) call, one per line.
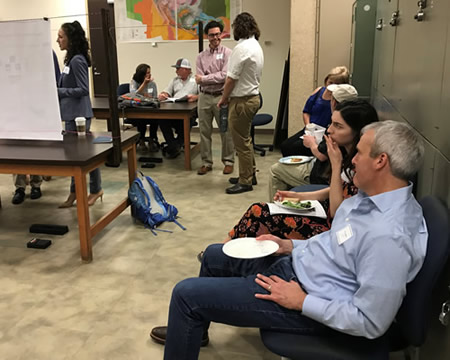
point(225, 293)
point(95, 179)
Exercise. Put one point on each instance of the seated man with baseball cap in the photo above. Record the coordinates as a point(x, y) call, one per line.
point(341, 93)
point(182, 86)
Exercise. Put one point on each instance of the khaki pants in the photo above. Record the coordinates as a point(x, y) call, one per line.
point(207, 109)
point(285, 176)
point(20, 181)
point(241, 111)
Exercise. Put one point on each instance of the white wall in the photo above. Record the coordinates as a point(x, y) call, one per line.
point(275, 29)
point(303, 46)
point(33, 9)
point(335, 36)
point(329, 41)
point(282, 23)
point(273, 19)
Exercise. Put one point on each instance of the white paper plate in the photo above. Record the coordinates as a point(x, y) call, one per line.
point(295, 160)
point(279, 203)
point(249, 248)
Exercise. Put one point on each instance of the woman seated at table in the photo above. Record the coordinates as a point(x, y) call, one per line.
point(343, 135)
point(73, 93)
point(142, 83)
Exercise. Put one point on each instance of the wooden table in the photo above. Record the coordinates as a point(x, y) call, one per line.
point(168, 111)
point(74, 156)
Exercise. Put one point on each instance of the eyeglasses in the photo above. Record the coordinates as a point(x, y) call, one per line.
point(214, 35)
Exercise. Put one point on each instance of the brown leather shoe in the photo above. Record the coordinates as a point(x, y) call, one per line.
point(204, 169)
point(228, 169)
point(159, 334)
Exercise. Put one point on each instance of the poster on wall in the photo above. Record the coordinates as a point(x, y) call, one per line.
point(28, 93)
point(161, 20)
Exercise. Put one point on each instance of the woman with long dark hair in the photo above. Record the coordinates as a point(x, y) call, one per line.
point(73, 93)
point(142, 83)
point(347, 121)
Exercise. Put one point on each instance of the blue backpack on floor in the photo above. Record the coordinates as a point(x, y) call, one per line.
point(148, 204)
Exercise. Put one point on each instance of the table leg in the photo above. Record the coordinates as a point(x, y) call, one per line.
point(84, 226)
point(187, 141)
point(132, 164)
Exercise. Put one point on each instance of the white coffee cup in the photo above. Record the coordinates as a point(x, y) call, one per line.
point(81, 126)
point(309, 129)
point(318, 134)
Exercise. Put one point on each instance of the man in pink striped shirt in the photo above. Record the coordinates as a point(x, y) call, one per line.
point(211, 73)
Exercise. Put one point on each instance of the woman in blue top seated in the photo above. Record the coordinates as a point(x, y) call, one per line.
point(73, 93)
point(317, 111)
point(142, 83)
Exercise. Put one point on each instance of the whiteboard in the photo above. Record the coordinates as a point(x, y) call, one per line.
point(29, 106)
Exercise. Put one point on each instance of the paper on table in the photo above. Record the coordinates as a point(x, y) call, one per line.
point(174, 99)
point(318, 210)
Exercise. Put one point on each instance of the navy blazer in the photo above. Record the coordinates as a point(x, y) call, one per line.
point(73, 90)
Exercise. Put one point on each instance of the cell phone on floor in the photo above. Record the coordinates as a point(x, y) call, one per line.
point(36, 243)
point(150, 159)
point(148, 165)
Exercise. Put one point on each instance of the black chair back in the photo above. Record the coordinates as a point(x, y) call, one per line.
point(411, 320)
point(123, 89)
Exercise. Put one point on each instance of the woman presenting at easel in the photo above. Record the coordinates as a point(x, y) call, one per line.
point(73, 93)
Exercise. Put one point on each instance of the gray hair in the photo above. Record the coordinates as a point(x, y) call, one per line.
point(402, 145)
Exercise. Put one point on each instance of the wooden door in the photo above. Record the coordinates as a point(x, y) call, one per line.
point(99, 67)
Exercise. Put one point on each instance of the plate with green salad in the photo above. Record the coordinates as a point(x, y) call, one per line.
point(295, 205)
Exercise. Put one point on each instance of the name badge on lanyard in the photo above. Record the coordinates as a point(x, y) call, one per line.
point(344, 234)
point(219, 56)
point(66, 70)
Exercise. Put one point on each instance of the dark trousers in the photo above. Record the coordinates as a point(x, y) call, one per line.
point(225, 293)
point(294, 146)
point(167, 128)
point(141, 126)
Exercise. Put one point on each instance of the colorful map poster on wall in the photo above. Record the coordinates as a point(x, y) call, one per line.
point(157, 20)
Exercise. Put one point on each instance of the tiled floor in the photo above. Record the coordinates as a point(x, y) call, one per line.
point(53, 306)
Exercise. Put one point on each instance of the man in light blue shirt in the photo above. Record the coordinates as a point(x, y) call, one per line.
point(351, 279)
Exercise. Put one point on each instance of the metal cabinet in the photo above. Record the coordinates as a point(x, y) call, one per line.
point(419, 65)
point(384, 47)
point(363, 36)
point(411, 82)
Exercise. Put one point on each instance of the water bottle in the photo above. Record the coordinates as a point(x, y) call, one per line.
point(223, 119)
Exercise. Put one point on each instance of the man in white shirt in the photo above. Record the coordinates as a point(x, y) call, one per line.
point(241, 93)
point(182, 86)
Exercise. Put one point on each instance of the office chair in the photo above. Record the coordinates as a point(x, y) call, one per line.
point(123, 89)
point(410, 325)
point(259, 120)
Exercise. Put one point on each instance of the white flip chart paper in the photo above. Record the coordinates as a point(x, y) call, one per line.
point(29, 106)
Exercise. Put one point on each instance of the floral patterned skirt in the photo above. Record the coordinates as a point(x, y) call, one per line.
point(258, 221)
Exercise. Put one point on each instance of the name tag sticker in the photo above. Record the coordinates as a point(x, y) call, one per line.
point(66, 70)
point(150, 91)
point(344, 234)
point(219, 56)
